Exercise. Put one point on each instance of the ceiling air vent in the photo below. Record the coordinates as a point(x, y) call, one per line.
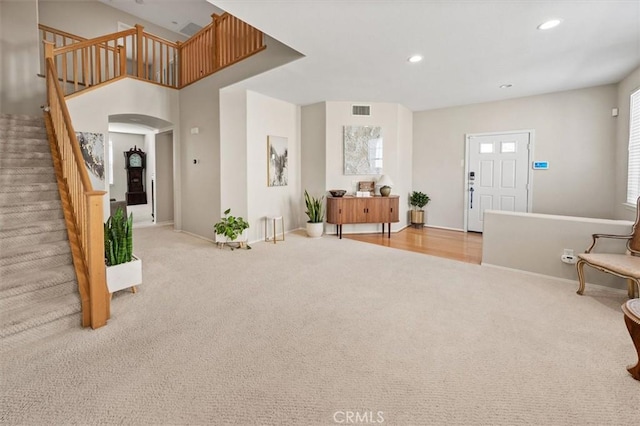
point(360, 109)
point(190, 29)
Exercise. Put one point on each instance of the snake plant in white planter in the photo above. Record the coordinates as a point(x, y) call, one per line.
point(315, 212)
point(124, 270)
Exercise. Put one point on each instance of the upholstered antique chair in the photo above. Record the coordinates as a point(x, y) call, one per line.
point(625, 265)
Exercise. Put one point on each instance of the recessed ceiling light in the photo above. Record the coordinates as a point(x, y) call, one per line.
point(552, 23)
point(506, 86)
point(415, 58)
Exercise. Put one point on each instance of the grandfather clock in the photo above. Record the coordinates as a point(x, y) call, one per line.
point(135, 162)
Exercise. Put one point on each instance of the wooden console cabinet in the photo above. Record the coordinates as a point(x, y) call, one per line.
point(349, 210)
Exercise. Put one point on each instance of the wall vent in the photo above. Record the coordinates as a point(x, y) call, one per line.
point(190, 29)
point(360, 109)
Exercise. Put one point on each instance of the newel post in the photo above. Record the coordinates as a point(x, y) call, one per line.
point(98, 292)
point(139, 36)
point(48, 54)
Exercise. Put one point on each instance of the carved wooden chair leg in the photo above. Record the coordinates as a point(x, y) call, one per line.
point(580, 268)
point(634, 332)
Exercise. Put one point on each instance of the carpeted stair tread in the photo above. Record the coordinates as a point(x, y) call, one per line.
point(31, 216)
point(38, 263)
point(24, 300)
point(25, 162)
point(16, 198)
point(30, 187)
point(19, 254)
point(22, 282)
point(15, 229)
point(22, 145)
point(26, 155)
point(14, 126)
point(18, 320)
point(38, 335)
point(17, 133)
point(27, 178)
point(19, 117)
point(32, 207)
point(44, 237)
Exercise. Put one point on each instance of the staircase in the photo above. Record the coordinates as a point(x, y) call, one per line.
point(38, 289)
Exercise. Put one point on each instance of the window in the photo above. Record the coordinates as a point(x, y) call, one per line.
point(507, 147)
point(633, 171)
point(486, 148)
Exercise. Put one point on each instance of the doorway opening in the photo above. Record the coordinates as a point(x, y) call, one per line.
point(152, 199)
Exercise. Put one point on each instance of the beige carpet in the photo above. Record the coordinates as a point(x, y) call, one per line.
point(305, 331)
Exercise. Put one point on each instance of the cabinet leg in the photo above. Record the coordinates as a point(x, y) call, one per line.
point(389, 230)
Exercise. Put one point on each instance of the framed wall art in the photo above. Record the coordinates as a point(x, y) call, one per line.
point(277, 161)
point(362, 150)
point(93, 148)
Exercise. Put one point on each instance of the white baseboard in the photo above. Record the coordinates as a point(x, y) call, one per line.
point(566, 280)
point(445, 227)
point(196, 235)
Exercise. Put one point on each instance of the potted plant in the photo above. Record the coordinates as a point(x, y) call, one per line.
point(418, 200)
point(315, 212)
point(228, 229)
point(123, 269)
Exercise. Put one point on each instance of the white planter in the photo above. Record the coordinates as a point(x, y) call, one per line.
point(314, 230)
point(239, 242)
point(125, 275)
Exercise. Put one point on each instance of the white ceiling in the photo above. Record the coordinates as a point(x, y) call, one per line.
point(357, 50)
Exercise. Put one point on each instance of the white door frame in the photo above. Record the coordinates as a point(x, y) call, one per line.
point(465, 180)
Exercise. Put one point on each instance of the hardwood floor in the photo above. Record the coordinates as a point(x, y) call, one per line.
point(456, 245)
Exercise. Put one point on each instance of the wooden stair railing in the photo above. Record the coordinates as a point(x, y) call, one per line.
point(83, 206)
point(78, 64)
point(82, 64)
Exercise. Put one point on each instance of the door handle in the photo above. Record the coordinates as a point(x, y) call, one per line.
point(471, 197)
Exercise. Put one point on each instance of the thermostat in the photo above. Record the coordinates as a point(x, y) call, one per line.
point(540, 165)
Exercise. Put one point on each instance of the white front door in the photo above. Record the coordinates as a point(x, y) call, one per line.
point(497, 175)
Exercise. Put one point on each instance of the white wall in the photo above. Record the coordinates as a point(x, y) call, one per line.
point(201, 184)
point(574, 131)
point(535, 242)
point(90, 111)
point(403, 181)
point(233, 151)
point(91, 18)
point(396, 123)
point(21, 90)
point(164, 208)
point(625, 88)
point(313, 128)
point(271, 117)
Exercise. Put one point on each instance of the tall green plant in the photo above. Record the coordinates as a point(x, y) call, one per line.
point(314, 208)
point(118, 238)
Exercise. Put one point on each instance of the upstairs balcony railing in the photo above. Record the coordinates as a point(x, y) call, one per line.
point(84, 63)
